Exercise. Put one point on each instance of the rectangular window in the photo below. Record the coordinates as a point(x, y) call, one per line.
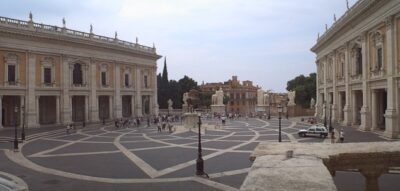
point(11, 73)
point(103, 79)
point(379, 57)
point(126, 80)
point(145, 82)
point(47, 75)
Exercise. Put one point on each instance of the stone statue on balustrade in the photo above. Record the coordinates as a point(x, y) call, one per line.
point(170, 108)
point(185, 105)
point(312, 103)
point(291, 96)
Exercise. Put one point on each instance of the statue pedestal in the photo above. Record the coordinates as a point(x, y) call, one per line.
point(190, 120)
point(185, 108)
point(220, 109)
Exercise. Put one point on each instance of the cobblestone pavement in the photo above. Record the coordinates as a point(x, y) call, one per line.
point(105, 157)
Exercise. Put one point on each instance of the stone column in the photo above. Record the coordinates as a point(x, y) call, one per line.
point(86, 108)
point(37, 110)
point(117, 94)
point(354, 107)
point(325, 65)
point(318, 105)
point(334, 96)
point(374, 110)
point(365, 113)
point(110, 107)
point(133, 105)
point(347, 106)
point(22, 110)
point(66, 109)
point(155, 96)
point(31, 114)
point(138, 95)
point(392, 129)
point(57, 109)
point(94, 108)
point(1, 111)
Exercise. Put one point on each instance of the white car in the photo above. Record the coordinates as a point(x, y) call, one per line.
point(320, 131)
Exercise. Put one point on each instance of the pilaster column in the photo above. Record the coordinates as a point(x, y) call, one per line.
point(347, 106)
point(334, 96)
point(117, 94)
point(66, 109)
point(110, 107)
point(392, 129)
point(155, 96)
point(318, 105)
point(365, 113)
point(1, 111)
point(138, 96)
point(57, 109)
point(37, 110)
point(31, 114)
point(94, 108)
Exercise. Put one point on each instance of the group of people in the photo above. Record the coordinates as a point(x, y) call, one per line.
point(164, 122)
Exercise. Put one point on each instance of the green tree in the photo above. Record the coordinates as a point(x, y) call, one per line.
point(305, 87)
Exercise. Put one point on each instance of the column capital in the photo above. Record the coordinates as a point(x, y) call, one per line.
point(389, 22)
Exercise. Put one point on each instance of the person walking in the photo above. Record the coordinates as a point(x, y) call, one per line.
point(341, 135)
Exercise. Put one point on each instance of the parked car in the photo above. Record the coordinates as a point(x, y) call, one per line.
point(314, 130)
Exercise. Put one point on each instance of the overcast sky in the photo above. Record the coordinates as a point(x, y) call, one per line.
point(265, 41)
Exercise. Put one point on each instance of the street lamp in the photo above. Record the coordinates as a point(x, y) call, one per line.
point(103, 114)
point(199, 161)
point(269, 106)
point(23, 123)
point(15, 127)
point(280, 108)
point(287, 109)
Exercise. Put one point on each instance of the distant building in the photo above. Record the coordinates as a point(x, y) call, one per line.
point(242, 96)
point(56, 75)
point(358, 68)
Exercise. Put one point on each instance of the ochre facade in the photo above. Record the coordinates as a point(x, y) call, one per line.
point(358, 68)
point(54, 75)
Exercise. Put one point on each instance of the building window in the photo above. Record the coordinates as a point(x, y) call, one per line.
point(77, 78)
point(11, 74)
point(47, 75)
point(126, 80)
point(103, 78)
point(379, 58)
point(145, 82)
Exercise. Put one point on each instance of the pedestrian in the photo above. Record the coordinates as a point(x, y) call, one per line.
point(68, 129)
point(341, 135)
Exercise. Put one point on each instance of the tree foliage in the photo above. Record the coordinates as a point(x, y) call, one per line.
point(305, 87)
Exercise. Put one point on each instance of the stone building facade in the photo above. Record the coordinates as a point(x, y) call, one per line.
point(55, 75)
point(358, 68)
point(242, 96)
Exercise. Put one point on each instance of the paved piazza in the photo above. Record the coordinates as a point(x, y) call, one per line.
point(142, 156)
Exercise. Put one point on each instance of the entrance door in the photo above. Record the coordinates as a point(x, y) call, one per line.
point(78, 108)
point(47, 110)
point(126, 106)
point(104, 107)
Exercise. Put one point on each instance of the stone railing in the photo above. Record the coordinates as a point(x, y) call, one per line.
point(48, 85)
point(340, 79)
point(356, 77)
point(376, 73)
point(29, 25)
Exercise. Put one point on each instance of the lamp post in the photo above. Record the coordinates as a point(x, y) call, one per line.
point(324, 114)
point(15, 127)
point(269, 106)
point(23, 123)
point(199, 161)
point(103, 114)
point(279, 117)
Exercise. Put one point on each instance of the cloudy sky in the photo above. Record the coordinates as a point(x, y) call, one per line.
point(266, 41)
